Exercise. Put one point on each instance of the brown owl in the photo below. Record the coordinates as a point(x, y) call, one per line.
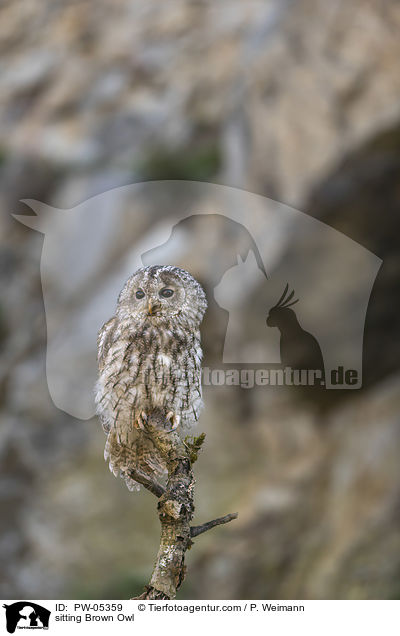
point(149, 358)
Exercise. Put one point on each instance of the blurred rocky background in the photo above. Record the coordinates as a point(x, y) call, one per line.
point(295, 100)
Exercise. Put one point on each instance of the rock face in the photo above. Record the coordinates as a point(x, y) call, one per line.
point(324, 524)
point(296, 101)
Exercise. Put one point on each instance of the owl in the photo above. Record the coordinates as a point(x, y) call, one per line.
point(149, 360)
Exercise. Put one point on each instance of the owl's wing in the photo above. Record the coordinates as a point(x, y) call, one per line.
point(104, 341)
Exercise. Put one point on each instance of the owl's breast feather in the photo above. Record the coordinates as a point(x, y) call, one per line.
point(164, 360)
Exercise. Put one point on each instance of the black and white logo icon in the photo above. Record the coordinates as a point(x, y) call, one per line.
point(26, 615)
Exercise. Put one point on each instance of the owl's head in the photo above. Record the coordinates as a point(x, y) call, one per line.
point(160, 294)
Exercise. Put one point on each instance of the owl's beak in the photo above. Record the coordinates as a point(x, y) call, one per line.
point(153, 307)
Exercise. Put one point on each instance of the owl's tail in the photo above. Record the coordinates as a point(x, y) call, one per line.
point(135, 451)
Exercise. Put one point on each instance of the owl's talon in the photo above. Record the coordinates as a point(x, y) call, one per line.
point(173, 419)
point(141, 421)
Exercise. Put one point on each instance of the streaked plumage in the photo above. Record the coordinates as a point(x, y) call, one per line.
point(149, 357)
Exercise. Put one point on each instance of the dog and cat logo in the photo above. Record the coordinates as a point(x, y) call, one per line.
point(26, 615)
point(280, 284)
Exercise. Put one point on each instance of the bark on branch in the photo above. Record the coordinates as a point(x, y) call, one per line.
point(175, 507)
point(196, 530)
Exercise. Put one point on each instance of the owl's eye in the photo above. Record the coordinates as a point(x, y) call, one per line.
point(139, 293)
point(166, 292)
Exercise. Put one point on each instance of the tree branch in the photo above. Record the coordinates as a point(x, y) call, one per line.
point(196, 530)
point(144, 480)
point(175, 507)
